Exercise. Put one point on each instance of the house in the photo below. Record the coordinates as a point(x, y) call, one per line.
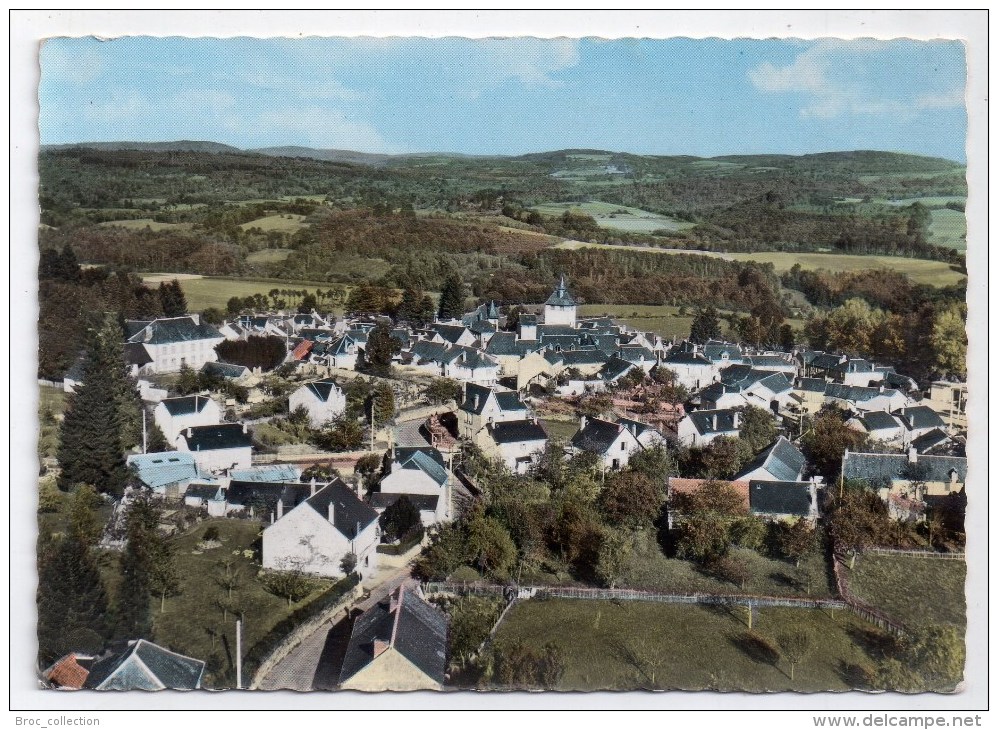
point(218, 448)
point(648, 436)
point(470, 365)
point(483, 405)
point(343, 351)
point(774, 363)
point(614, 443)
point(257, 499)
point(723, 354)
point(699, 428)
point(209, 496)
point(318, 533)
point(416, 470)
point(237, 373)
point(761, 388)
point(561, 307)
point(693, 370)
point(398, 645)
point(174, 342)
point(639, 355)
point(779, 462)
point(721, 396)
point(323, 399)
point(147, 666)
point(783, 501)
point(616, 369)
point(918, 421)
point(809, 394)
point(858, 398)
point(173, 415)
point(913, 476)
point(518, 444)
point(432, 509)
point(166, 473)
point(526, 328)
point(932, 442)
point(949, 399)
point(453, 334)
point(878, 426)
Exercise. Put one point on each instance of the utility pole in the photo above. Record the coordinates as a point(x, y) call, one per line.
point(239, 654)
point(144, 439)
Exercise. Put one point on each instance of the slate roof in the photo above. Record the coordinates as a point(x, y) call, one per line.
point(745, 376)
point(715, 350)
point(348, 510)
point(185, 405)
point(687, 358)
point(825, 361)
point(469, 357)
point(509, 400)
point(635, 353)
point(429, 351)
point(205, 491)
point(879, 420)
point(506, 343)
point(513, 432)
point(856, 393)
point(703, 420)
point(219, 436)
point(136, 354)
point(920, 417)
point(422, 502)
point(419, 459)
point(597, 436)
point(561, 297)
point(166, 467)
point(264, 496)
point(930, 440)
point(482, 327)
point(781, 459)
point(323, 389)
point(763, 362)
point(226, 370)
point(780, 498)
point(891, 467)
point(854, 365)
point(450, 332)
point(583, 357)
point(616, 368)
point(637, 427)
point(472, 393)
point(175, 329)
point(144, 665)
point(713, 392)
point(556, 330)
point(812, 385)
point(267, 473)
point(529, 320)
point(408, 624)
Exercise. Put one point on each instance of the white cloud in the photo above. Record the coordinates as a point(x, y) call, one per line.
point(527, 60)
point(312, 126)
point(847, 78)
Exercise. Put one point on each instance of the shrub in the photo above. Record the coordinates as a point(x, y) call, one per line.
point(210, 534)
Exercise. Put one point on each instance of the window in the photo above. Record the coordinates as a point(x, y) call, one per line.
point(623, 446)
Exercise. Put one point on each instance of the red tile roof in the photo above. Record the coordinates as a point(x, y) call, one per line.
point(688, 486)
point(302, 350)
point(67, 673)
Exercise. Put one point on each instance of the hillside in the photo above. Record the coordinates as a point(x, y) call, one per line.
point(178, 146)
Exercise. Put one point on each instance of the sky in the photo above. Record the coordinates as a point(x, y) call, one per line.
point(402, 95)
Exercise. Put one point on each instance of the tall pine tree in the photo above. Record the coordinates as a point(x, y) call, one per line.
point(135, 592)
point(172, 299)
point(91, 445)
point(706, 326)
point(452, 297)
point(72, 602)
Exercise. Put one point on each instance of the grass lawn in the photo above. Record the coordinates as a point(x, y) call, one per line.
point(620, 646)
point(192, 614)
point(282, 222)
point(948, 228)
point(559, 428)
point(268, 256)
point(618, 217)
point(648, 568)
point(891, 582)
point(210, 291)
point(921, 271)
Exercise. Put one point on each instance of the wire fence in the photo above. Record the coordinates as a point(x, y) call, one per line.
point(931, 554)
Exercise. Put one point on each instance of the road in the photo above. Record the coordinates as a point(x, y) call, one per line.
point(315, 663)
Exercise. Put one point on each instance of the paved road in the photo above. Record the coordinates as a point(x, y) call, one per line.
point(316, 662)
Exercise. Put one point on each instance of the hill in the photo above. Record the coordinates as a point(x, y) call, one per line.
point(310, 153)
point(178, 146)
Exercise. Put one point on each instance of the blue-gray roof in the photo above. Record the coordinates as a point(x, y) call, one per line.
point(420, 460)
point(267, 473)
point(407, 624)
point(185, 405)
point(350, 515)
point(323, 389)
point(769, 361)
point(220, 436)
point(429, 351)
point(915, 417)
point(422, 502)
point(715, 350)
point(812, 385)
point(175, 329)
point(561, 297)
point(224, 369)
point(781, 459)
point(506, 343)
point(616, 368)
point(264, 496)
point(879, 420)
point(167, 467)
point(704, 421)
point(144, 665)
point(891, 467)
point(780, 498)
point(597, 435)
point(930, 440)
point(512, 432)
point(687, 358)
point(450, 332)
point(856, 393)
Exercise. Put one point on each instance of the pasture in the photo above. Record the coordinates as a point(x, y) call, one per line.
point(616, 217)
point(948, 228)
point(212, 291)
point(268, 256)
point(637, 644)
point(280, 222)
point(920, 271)
point(661, 319)
point(140, 224)
point(890, 581)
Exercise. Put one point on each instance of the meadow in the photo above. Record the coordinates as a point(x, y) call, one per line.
point(139, 224)
point(890, 581)
point(662, 319)
point(280, 222)
point(948, 228)
point(625, 645)
point(212, 291)
point(920, 271)
point(618, 217)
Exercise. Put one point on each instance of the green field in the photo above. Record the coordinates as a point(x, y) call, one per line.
point(921, 271)
point(140, 224)
point(617, 217)
point(559, 429)
point(210, 291)
point(948, 228)
point(620, 646)
point(268, 256)
point(891, 582)
point(282, 222)
point(661, 319)
point(191, 615)
point(575, 245)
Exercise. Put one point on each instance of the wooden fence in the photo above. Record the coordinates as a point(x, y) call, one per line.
point(931, 554)
point(860, 607)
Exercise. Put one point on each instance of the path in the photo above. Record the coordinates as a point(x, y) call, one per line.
point(315, 663)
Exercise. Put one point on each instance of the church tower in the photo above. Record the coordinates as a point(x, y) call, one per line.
point(560, 308)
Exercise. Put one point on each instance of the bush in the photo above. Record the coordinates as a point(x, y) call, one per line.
point(411, 539)
point(210, 534)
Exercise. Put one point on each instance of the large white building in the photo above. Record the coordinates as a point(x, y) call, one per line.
point(173, 415)
point(174, 342)
point(218, 448)
point(561, 307)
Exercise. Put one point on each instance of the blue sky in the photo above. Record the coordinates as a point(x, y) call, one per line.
point(680, 96)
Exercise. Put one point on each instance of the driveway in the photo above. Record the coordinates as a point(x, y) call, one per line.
point(315, 663)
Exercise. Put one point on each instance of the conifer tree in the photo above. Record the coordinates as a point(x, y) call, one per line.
point(381, 348)
point(452, 297)
point(706, 326)
point(134, 595)
point(172, 299)
point(90, 440)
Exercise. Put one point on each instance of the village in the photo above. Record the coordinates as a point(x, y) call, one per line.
point(404, 462)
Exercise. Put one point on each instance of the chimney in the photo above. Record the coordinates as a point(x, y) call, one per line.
point(952, 476)
point(312, 485)
point(582, 422)
point(244, 428)
point(713, 422)
point(251, 512)
point(271, 518)
point(736, 418)
point(912, 455)
point(332, 513)
point(476, 401)
point(357, 529)
point(280, 508)
point(360, 488)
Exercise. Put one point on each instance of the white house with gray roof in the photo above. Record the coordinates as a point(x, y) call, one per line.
point(173, 342)
point(421, 474)
point(614, 443)
point(483, 405)
point(173, 415)
point(315, 535)
point(781, 461)
point(693, 370)
point(517, 444)
point(879, 426)
point(701, 427)
point(218, 448)
point(167, 473)
point(561, 307)
point(323, 399)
